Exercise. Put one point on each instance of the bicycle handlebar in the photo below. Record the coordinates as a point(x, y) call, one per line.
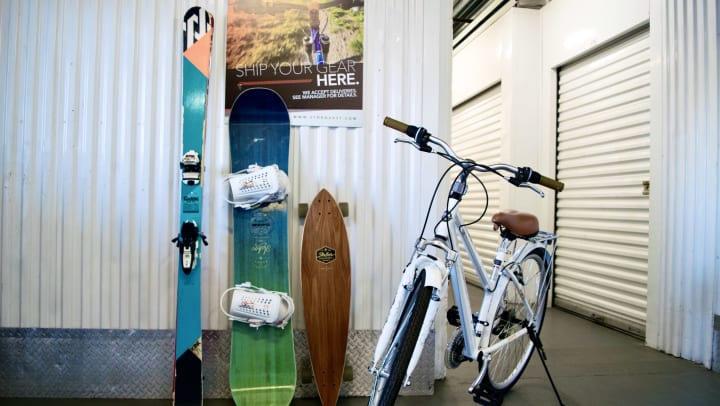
point(421, 139)
point(396, 125)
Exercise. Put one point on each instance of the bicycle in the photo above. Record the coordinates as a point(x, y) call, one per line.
point(501, 336)
point(317, 43)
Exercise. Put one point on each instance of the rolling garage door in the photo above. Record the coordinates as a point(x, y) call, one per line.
point(603, 157)
point(475, 130)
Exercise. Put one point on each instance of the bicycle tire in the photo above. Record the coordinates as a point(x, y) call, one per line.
point(386, 389)
point(509, 362)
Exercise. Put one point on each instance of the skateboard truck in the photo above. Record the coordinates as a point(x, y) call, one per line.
point(186, 242)
point(258, 307)
point(307, 374)
point(303, 209)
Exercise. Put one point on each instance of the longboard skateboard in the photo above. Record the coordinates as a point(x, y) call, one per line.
point(262, 360)
point(326, 293)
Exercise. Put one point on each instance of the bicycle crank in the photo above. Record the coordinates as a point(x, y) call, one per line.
point(454, 351)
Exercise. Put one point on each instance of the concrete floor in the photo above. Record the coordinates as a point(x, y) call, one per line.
point(591, 365)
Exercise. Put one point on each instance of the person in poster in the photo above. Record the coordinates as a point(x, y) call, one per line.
point(309, 52)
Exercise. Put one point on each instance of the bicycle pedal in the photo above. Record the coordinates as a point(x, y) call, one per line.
point(453, 316)
point(487, 396)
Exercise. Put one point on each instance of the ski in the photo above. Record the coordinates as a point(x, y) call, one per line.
point(197, 40)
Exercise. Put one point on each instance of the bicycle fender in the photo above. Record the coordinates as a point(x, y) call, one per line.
point(435, 272)
point(393, 317)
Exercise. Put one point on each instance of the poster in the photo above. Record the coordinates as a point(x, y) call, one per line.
point(309, 52)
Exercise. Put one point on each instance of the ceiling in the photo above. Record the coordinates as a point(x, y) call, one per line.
point(469, 15)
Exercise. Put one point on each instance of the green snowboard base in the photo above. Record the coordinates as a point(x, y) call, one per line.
point(262, 360)
point(260, 373)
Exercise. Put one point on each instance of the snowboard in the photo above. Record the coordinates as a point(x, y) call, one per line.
point(326, 293)
point(262, 360)
point(197, 40)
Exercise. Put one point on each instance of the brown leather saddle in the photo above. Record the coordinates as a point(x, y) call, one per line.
point(523, 225)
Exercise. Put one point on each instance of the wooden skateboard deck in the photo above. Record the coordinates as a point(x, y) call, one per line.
point(262, 360)
point(326, 293)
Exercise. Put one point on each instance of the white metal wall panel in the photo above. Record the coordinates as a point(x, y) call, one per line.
point(90, 147)
point(684, 298)
point(476, 133)
point(604, 158)
point(88, 156)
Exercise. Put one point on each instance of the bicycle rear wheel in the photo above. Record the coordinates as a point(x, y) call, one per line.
point(392, 373)
point(509, 362)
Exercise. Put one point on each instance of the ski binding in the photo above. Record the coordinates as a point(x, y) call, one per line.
point(190, 166)
point(187, 242)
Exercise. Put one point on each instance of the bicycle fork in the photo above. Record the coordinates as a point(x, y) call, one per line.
point(436, 276)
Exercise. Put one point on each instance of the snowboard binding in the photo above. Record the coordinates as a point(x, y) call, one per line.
point(257, 185)
point(258, 307)
point(186, 242)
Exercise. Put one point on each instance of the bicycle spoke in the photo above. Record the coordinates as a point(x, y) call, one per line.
point(509, 361)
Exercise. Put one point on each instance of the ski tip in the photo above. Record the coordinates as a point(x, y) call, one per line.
point(198, 23)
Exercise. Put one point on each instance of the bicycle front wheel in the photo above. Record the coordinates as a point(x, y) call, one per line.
point(390, 378)
point(511, 316)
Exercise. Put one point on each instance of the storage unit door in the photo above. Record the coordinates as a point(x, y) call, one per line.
point(476, 129)
point(603, 135)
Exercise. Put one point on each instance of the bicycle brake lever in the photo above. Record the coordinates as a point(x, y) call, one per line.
point(405, 141)
point(533, 188)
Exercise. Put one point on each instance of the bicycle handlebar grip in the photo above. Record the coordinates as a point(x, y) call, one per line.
point(396, 125)
point(536, 177)
point(551, 183)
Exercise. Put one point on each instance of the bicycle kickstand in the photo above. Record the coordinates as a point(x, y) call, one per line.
point(541, 353)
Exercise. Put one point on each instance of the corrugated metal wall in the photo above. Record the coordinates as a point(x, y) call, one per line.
point(684, 295)
point(90, 128)
point(90, 145)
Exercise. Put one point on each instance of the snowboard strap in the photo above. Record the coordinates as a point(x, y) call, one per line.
point(256, 185)
point(186, 242)
point(258, 307)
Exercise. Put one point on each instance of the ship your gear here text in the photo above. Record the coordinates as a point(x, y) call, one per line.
point(338, 74)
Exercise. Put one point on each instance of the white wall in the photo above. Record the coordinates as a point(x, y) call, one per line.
point(508, 52)
point(90, 145)
point(573, 27)
point(684, 286)
point(684, 146)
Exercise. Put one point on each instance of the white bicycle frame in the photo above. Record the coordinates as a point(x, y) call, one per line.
point(476, 334)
